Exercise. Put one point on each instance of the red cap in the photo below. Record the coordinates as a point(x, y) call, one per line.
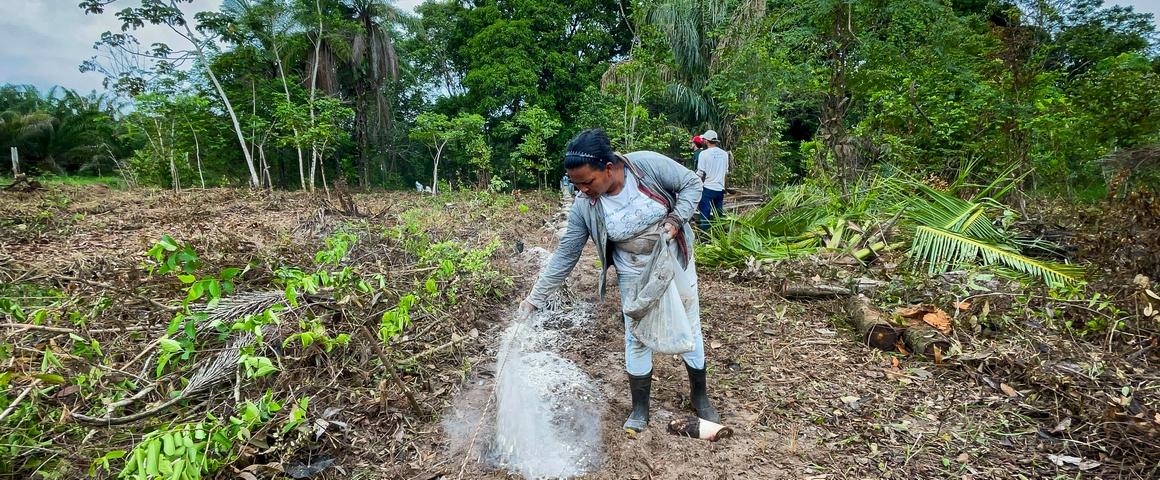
point(697, 139)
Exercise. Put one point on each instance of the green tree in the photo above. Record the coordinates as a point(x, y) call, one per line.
point(534, 127)
point(61, 130)
point(167, 12)
point(436, 131)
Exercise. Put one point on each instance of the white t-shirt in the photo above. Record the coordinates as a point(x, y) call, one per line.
point(715, 163)
point(626, 215)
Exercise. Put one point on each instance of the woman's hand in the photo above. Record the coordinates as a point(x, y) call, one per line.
point(525, 311)
point(672, 226)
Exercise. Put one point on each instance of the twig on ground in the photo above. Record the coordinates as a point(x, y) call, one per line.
point(12, 407)
point(122, 290)
point(128, 400)
point(431, 351)
point(45, 328)
point(390, 367)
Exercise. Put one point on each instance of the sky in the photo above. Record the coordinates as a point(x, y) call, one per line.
point(42, 42)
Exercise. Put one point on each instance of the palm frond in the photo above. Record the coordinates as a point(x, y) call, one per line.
point(940, 209)
point(35, 124)
point(941, 250)
point(691, 101)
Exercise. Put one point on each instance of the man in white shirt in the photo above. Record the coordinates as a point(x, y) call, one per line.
point(712, 166)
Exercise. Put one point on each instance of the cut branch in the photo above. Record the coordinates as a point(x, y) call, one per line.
point(925, 340)
point(872, 325)
point(814, 292)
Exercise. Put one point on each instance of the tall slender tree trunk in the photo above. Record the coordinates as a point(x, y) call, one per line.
point(362, 130)
point(314, 154)
point(172, 164)
point(197, 150)
point(286, 89)
point(15, 161)
point(836, 102)
point(253, 129)
point(435, 169)
point(254, 181)
point(313, 166)
point(173, 177)
point(322, 166)
point(265, 166)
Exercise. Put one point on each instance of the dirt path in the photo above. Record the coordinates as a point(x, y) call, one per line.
point(598, 349)
point(806, 400)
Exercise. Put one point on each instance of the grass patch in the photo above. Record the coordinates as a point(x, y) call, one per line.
point(82, 181)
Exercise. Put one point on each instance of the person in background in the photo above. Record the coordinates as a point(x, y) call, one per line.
point(627, 203)
point(566, 187)
point(712, 166)
point(697, 144)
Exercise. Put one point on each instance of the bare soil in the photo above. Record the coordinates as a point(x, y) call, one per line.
point(805, 398)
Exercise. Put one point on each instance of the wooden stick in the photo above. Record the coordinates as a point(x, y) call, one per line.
point(45, 328)
point(390, 367)
point(430, 351)
point(12, 407)
point(128, 400)
point(816, 291)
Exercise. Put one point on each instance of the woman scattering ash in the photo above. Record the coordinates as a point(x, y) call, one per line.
point(627, 203)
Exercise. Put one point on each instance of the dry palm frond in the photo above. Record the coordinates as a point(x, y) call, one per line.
point(241, 305)
point(216, 370)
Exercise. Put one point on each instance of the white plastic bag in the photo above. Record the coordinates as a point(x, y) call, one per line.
point(666, 327)
point(659, 305)
point(683, 279)
point(653, 282)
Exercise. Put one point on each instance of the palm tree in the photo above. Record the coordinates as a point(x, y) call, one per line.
point(360, 51)
point(266, 23)
point(697, 33)
point(62, 129)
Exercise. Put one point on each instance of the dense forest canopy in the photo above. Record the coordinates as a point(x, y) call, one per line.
point(282, 93)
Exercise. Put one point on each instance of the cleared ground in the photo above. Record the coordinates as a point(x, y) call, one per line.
point(806, 398)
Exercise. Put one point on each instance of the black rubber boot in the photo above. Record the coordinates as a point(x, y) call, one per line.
point(698, 397)
point(639, 386)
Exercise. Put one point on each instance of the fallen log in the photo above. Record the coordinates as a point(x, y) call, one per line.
point(924, 340)
point(872, 325)
point(815, 291)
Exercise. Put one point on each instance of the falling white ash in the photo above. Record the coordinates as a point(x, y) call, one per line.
point(547, 415)
point(547, 412)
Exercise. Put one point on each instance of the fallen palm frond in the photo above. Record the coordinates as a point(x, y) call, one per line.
point(797, 221)
point(782, 228)
point(215, 370)
point(950, 232)
point(942, 250)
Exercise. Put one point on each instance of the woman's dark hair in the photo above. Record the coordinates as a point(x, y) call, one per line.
point(590, 147)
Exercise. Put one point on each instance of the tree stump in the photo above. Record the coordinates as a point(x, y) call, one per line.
point(872, 325)
point(22, 183)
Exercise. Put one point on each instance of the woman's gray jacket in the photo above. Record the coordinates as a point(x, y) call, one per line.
point(660, 178)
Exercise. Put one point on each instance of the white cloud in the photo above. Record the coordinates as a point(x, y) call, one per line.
point(45, 41)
